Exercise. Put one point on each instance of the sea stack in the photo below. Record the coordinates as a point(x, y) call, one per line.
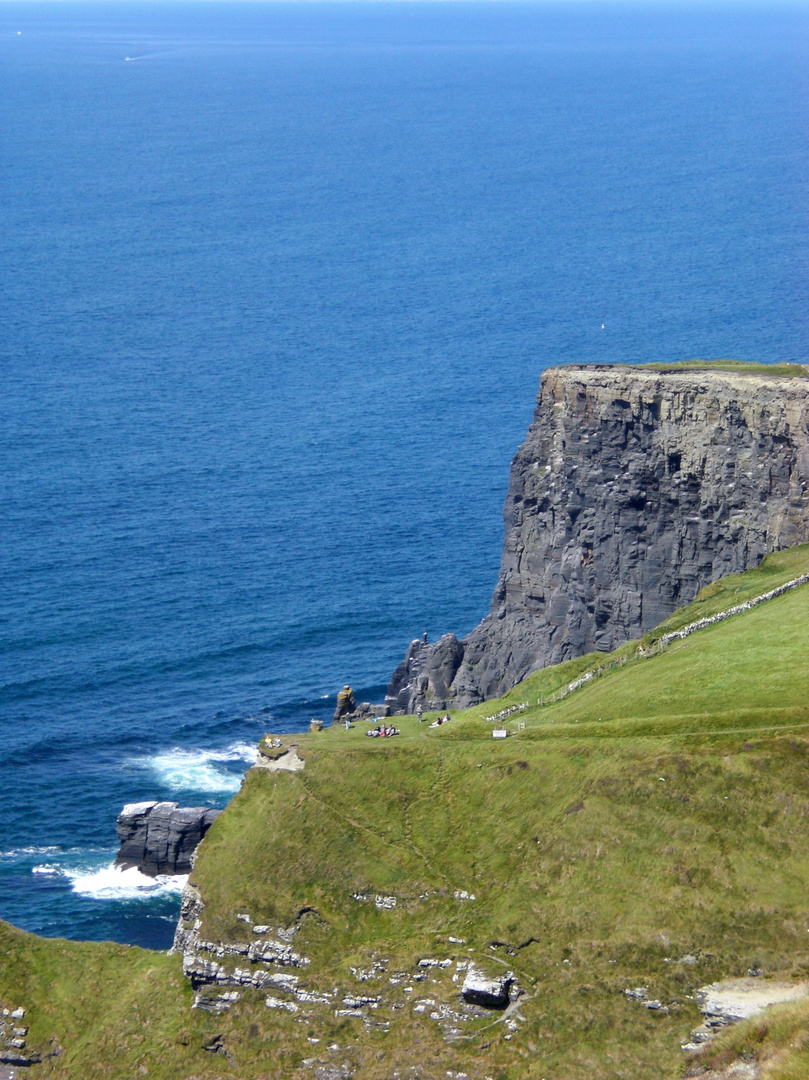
point(161, 837)
point(635, 487)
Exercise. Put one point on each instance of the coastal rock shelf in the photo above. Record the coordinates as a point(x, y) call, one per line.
point(634, 489)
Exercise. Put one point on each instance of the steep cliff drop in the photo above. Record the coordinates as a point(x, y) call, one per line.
point(634, 488)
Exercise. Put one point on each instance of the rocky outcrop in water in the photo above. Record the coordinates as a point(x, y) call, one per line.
point(633, 490)
point(161, 837)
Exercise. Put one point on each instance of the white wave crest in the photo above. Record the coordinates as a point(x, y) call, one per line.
point(181, 769)
point(112, 883)
point(47, 870)
point(16, 853)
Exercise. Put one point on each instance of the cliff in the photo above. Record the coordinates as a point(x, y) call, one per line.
point(634, 488)
point(161, 837)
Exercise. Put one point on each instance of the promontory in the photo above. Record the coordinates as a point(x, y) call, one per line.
point(635, 487)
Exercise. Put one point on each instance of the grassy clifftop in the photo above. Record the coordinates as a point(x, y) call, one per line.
point(738, 367)
point(647, 830)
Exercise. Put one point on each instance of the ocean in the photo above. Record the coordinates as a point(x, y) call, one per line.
point(278, 285)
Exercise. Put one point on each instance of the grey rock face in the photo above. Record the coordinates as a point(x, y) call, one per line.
point(734, 1000)
point(161, 837)
point(425, 676)
point(633, 490)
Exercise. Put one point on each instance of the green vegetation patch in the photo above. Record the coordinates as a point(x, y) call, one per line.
point(100, 1010)
point(656, 813)
point(737, 367)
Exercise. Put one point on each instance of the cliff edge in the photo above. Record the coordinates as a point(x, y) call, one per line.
point(634, 488)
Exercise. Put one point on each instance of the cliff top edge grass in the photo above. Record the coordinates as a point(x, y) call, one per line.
point(736, 367)
point(736, 675)
point(779, 370)
point(776, 569)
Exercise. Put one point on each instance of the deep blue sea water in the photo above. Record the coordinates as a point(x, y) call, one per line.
point(276, 294)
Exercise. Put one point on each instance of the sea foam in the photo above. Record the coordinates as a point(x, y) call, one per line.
point(204, 771)
point(112, 883)
point(47, 870)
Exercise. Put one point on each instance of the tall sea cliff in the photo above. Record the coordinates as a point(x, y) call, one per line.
point(634, 488)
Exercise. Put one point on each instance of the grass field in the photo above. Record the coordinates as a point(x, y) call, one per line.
point(648, 830)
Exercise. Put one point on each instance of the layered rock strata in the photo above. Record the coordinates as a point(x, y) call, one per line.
point(161, 837)
point(221, 971)
point(233, 963)
point(633, 490)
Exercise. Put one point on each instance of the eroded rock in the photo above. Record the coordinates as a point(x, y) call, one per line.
point(283, 759)
point(491, 992)
point(161, 837)
point(733, 1000)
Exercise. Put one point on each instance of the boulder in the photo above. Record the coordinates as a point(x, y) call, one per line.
point(161, 837)
point(481, 989)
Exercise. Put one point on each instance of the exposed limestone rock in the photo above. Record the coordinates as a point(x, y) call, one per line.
point(733, 1000)
point(222, 963)
point(633, 490)
point(161, 837)
point(216, 1003)
point(480, 989)
point(641, 995)
point(13, 1050)
point(737, 1070)
point(279, 759)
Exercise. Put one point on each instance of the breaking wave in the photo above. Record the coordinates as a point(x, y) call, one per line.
point(112, 883)
point(214, 772)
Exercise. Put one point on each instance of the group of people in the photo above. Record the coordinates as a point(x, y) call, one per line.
point(436, 723)
point(383, 732)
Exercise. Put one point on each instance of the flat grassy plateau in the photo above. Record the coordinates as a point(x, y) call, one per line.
point(738, 367)
point(649, 829)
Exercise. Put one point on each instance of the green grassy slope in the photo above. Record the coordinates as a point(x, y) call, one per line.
point(656, 813)
point(102, 1010)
